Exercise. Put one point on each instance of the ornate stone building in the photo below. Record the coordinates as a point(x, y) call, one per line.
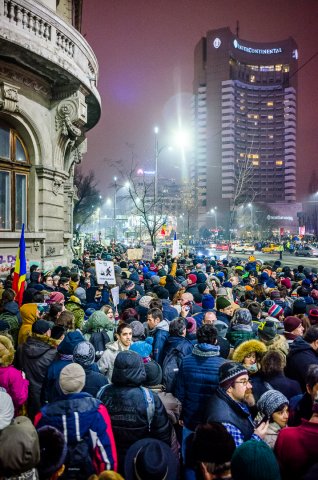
point(48, 100)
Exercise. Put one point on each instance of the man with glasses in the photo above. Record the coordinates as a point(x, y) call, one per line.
point(229, 404)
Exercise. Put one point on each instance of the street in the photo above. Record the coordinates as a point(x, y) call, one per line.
point(290, 260)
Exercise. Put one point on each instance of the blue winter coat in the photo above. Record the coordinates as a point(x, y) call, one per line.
point(159, 339)
point(197, 379)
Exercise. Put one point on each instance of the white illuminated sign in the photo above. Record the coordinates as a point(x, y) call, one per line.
point(295, 54)
point(216, 42)
point(279, 217)
point(260, 51)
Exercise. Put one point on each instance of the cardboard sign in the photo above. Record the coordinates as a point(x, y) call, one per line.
point(134, 253)
point(175, 248)
point(105, 272)
point(115, 295)
point(147, 253)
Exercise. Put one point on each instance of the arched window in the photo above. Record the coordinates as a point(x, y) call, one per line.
point(14, 169)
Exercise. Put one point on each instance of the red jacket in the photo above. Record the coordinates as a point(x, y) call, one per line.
point(296, 449)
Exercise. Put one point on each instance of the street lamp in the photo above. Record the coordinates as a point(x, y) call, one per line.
point(250, 205)
point(214, 211)
point(117, 188)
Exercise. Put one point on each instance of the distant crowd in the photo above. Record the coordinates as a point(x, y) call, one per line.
point(205, 369)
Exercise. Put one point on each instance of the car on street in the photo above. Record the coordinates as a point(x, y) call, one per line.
point(243, 248)
point(307, 251)
point(221, 247)
point(272, 248)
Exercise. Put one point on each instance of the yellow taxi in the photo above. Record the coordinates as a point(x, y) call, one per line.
point(272, 248)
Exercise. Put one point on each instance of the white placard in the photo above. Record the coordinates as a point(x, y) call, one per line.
point(134, 253)
point(115, 295)
point(175, 248)
point(147, 253)
point(105, 272)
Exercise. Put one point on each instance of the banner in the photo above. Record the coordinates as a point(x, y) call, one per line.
point(115, 295)
point(105, 272)
point(175, 248)
point(134, 253)
point(147, 253)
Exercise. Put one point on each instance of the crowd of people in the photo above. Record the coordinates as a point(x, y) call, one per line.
point(205, 369)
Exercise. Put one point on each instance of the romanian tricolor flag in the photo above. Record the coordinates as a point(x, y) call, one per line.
point(19, 276)
point(163, 229)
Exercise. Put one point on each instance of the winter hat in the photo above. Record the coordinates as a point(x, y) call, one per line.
point(191, 325)
point(227, 285)
point(220, 274)
point(150, 458)
point(138, 330)
point(53, 451)
point(144, 348)
point(313, 316)
point(56, 297)
point(100, 321)
point(299, 306)
point(72, 378)
point(268, 330)
point(41, 327)
point(222, 292)
point(306, 283)
point(270, 402)
point(207, 302)
point(291, 323)
point(228, 372)
point(222, 302)
point(6, 351)
point(202, 287)
point(25, 454)
point(155, 279)
point(275, 311)
point(74, 299)
point(286, 282)
point(314, 294)
point(129, 369)
point(242, 316)
point(274, 295)
point(162, 293)
point(254, 460)
point(213, 444)
point(145, 301)
point(153, 374)
point(80, 293)
point(245, 348)
point(84, 354)
point(69, 342)
point(192, 277)
point(6, 410)
point(267, 304)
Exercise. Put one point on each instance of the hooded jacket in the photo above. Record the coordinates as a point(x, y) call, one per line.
point(107, 360)
point(11, 315)
point(159, 339)
point(35, 356)
point(28, 315)
point(300, 356)
point(127, 407)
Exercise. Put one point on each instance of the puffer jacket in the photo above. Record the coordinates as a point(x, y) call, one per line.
point(300, 356)
point(159, 339)
point(197, 379)
point(81, 414)
point(126, 405)
point(34, 357)
point(16, 386)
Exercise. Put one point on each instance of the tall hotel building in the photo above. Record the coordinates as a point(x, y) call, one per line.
point(244, 107)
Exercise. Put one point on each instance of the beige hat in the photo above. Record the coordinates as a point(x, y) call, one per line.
point(72, 378)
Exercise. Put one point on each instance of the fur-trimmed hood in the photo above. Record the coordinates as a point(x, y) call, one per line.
point(6, 351)
point(245, 348)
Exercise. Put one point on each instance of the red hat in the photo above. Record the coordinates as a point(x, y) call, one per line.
point(192, 278)
point(287, 283)
point(56, 297)
point(291, 323)
point(313, 316)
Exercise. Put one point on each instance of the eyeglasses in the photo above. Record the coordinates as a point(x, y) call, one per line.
point(243, 382)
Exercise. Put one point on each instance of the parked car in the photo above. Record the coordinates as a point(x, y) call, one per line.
point(272, 248)
point(223, 247)
point(243, 248)
point(307, 251)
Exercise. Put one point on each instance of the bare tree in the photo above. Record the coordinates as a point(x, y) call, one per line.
point(87, 198)
point(189, 202)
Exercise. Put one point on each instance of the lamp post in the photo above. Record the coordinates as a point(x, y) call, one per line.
point(117, 188)
point(214, 211)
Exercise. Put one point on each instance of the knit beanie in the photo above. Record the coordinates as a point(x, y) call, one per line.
point(299, 306)
point(138, 330)
point(291, 323)
point(56, 297)
point(80, 293)
point(6, 410)
point(270, 402)
point(208, 302)
point(41, 327)
point(222, 303)
point(313, 316)
point(145, 301)
point(286, 282)
point(242, 316)
point(144, 348)
point(228, 372)
point(221, 292)
point(267, 304)
point(254, 460)
point(6, 351)
point(192, 277)
point(202, 287)
point(275, 311)
point(274, 294)
point(153, 374)
point(267, 330)
point(72, 378)
point(155, 279)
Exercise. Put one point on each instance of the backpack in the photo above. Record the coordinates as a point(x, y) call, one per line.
point(170, 368)
point(99, 341)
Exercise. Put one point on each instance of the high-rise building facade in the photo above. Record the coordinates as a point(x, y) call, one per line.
point(244, 108)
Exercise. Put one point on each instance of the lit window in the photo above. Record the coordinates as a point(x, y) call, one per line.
point(255, 163)
point(270, 104)
point(270, 117)
point(271, 136)
point(278, 68)
point(242, 155)
point(252, 78)
point(286, 68)
point(242, 108)
point(14, 170)
point(279, 162)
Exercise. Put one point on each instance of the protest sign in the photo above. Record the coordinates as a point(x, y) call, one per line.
point(105, 272)
point(147, 253)
point(115, 295)
point(134, 253)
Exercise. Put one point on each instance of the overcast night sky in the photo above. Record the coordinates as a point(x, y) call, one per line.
point(145, 54)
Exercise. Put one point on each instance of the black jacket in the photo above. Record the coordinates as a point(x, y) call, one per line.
point(286, 386)
point(126, 405)
point(299, 357)
point(222, 408)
